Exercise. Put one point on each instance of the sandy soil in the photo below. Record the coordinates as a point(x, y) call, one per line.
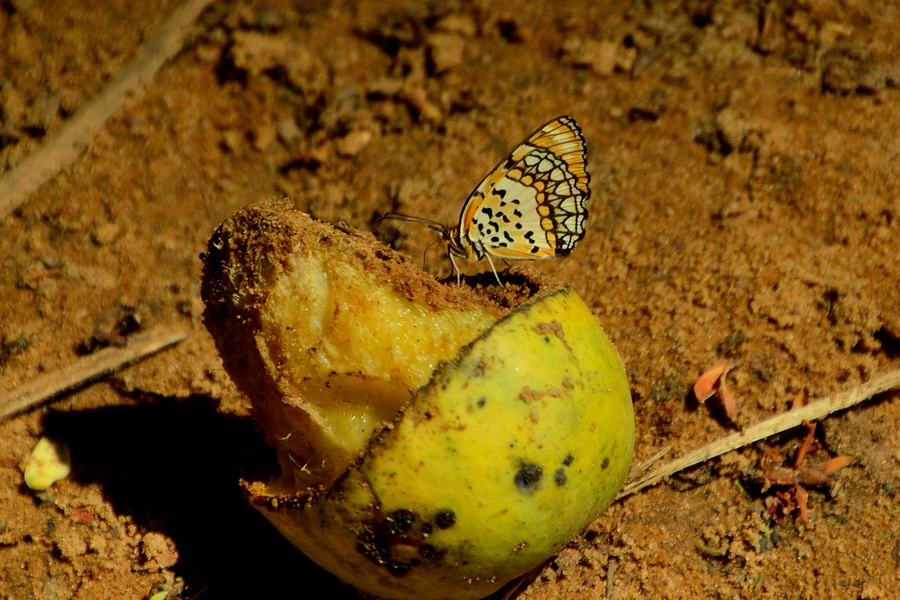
point(746, 209)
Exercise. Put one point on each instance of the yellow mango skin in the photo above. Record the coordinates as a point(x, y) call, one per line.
point(327, 332)
point(509, 451)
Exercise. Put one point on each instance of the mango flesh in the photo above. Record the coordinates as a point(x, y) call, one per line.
point(327, 333)
point(350, 367)
point(48, 463)
point(430, 445)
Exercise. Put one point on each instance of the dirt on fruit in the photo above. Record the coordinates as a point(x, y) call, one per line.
point(745, 210)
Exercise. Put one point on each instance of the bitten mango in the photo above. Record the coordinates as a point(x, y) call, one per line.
point(433, 440)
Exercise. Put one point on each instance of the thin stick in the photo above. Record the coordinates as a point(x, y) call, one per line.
point(86, 369)
point(611, 569)
point(63, 148)
point(769, 427)
point(643, 468)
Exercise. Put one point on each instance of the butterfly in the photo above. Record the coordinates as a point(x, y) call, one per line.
point(532, 205)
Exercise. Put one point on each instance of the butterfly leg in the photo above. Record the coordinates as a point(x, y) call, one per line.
point(455, 267)
point(490, 262)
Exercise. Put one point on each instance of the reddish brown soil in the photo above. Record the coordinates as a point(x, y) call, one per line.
point(746, 208)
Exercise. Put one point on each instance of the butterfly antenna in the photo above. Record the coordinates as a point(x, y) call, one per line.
point(439, 227)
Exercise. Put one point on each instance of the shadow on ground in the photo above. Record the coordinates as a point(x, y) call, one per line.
point(173, 467)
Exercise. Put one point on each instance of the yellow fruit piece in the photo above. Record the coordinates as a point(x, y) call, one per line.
point(432, 443)
point(328, 333)
point(352, 365)
point(49, 462)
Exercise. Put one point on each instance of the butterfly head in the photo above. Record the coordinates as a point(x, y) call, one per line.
point(457, 245)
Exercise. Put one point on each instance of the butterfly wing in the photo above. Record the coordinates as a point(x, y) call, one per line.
point(533, 204)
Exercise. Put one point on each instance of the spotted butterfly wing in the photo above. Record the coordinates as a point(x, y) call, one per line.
point(533, 204)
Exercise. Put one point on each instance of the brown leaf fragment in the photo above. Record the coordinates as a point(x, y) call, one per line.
point(726, 398)
point(712, 383)
point(707, 384)
point(838, 462)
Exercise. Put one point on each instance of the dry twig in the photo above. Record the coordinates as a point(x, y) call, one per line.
point(62, 148)
point(86, 369)
point(767, 428)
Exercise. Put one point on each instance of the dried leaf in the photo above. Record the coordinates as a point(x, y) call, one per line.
point(709, 382)
point(838, 462)
point(728, 402)
point(813, 476)
point(712, 383)
point(802, 505)
point(801, 399)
